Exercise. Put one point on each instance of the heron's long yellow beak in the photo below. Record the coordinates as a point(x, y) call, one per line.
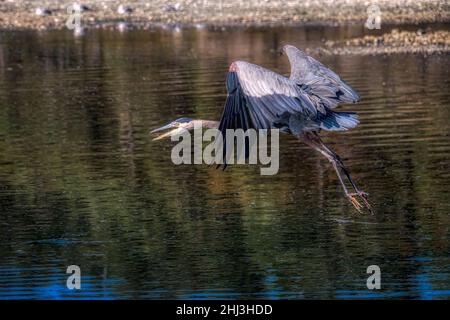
point(169, 133)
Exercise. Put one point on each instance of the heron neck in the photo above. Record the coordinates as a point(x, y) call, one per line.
point(208, 124)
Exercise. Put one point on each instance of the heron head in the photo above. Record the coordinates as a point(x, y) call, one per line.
point(174, 128)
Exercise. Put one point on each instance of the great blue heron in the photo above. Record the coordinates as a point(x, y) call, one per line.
point(301, 105)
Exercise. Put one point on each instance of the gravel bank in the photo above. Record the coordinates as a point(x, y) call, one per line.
point(22, 13)
point(420, 41)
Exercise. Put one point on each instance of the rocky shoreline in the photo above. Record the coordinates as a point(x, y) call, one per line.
point(421, 41)
point(52, 14)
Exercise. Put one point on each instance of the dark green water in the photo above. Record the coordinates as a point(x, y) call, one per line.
point(81, 181)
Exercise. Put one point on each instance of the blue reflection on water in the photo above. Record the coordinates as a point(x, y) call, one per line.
point(39, 284)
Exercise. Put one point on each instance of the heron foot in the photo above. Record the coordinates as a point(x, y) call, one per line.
point(360, 201)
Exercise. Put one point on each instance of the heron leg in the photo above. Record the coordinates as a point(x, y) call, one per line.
point(313, 140)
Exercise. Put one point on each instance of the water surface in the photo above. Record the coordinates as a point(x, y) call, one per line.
point(82, 183)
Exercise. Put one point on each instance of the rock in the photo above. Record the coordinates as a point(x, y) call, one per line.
point(124, 9)
point(172, 7)
point(80, 7)
point(43, 12)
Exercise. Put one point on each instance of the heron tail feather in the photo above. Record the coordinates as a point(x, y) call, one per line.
point(339, 121)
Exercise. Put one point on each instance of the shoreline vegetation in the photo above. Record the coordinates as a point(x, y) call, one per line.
point(22, 14)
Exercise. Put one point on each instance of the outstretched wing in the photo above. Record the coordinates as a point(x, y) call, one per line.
point(263, 95)
point(257, 97)
point(326, 88)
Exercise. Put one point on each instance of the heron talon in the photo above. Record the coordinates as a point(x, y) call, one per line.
point(353, 197)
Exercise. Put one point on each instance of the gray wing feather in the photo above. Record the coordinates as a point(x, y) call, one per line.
point(270, 94)
point(257, 97)
point(318, 80)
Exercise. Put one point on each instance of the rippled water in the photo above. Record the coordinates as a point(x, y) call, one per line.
point(81, 181)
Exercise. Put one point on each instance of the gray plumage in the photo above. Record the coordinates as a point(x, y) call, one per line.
point(326, 87)
point(262, 99)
